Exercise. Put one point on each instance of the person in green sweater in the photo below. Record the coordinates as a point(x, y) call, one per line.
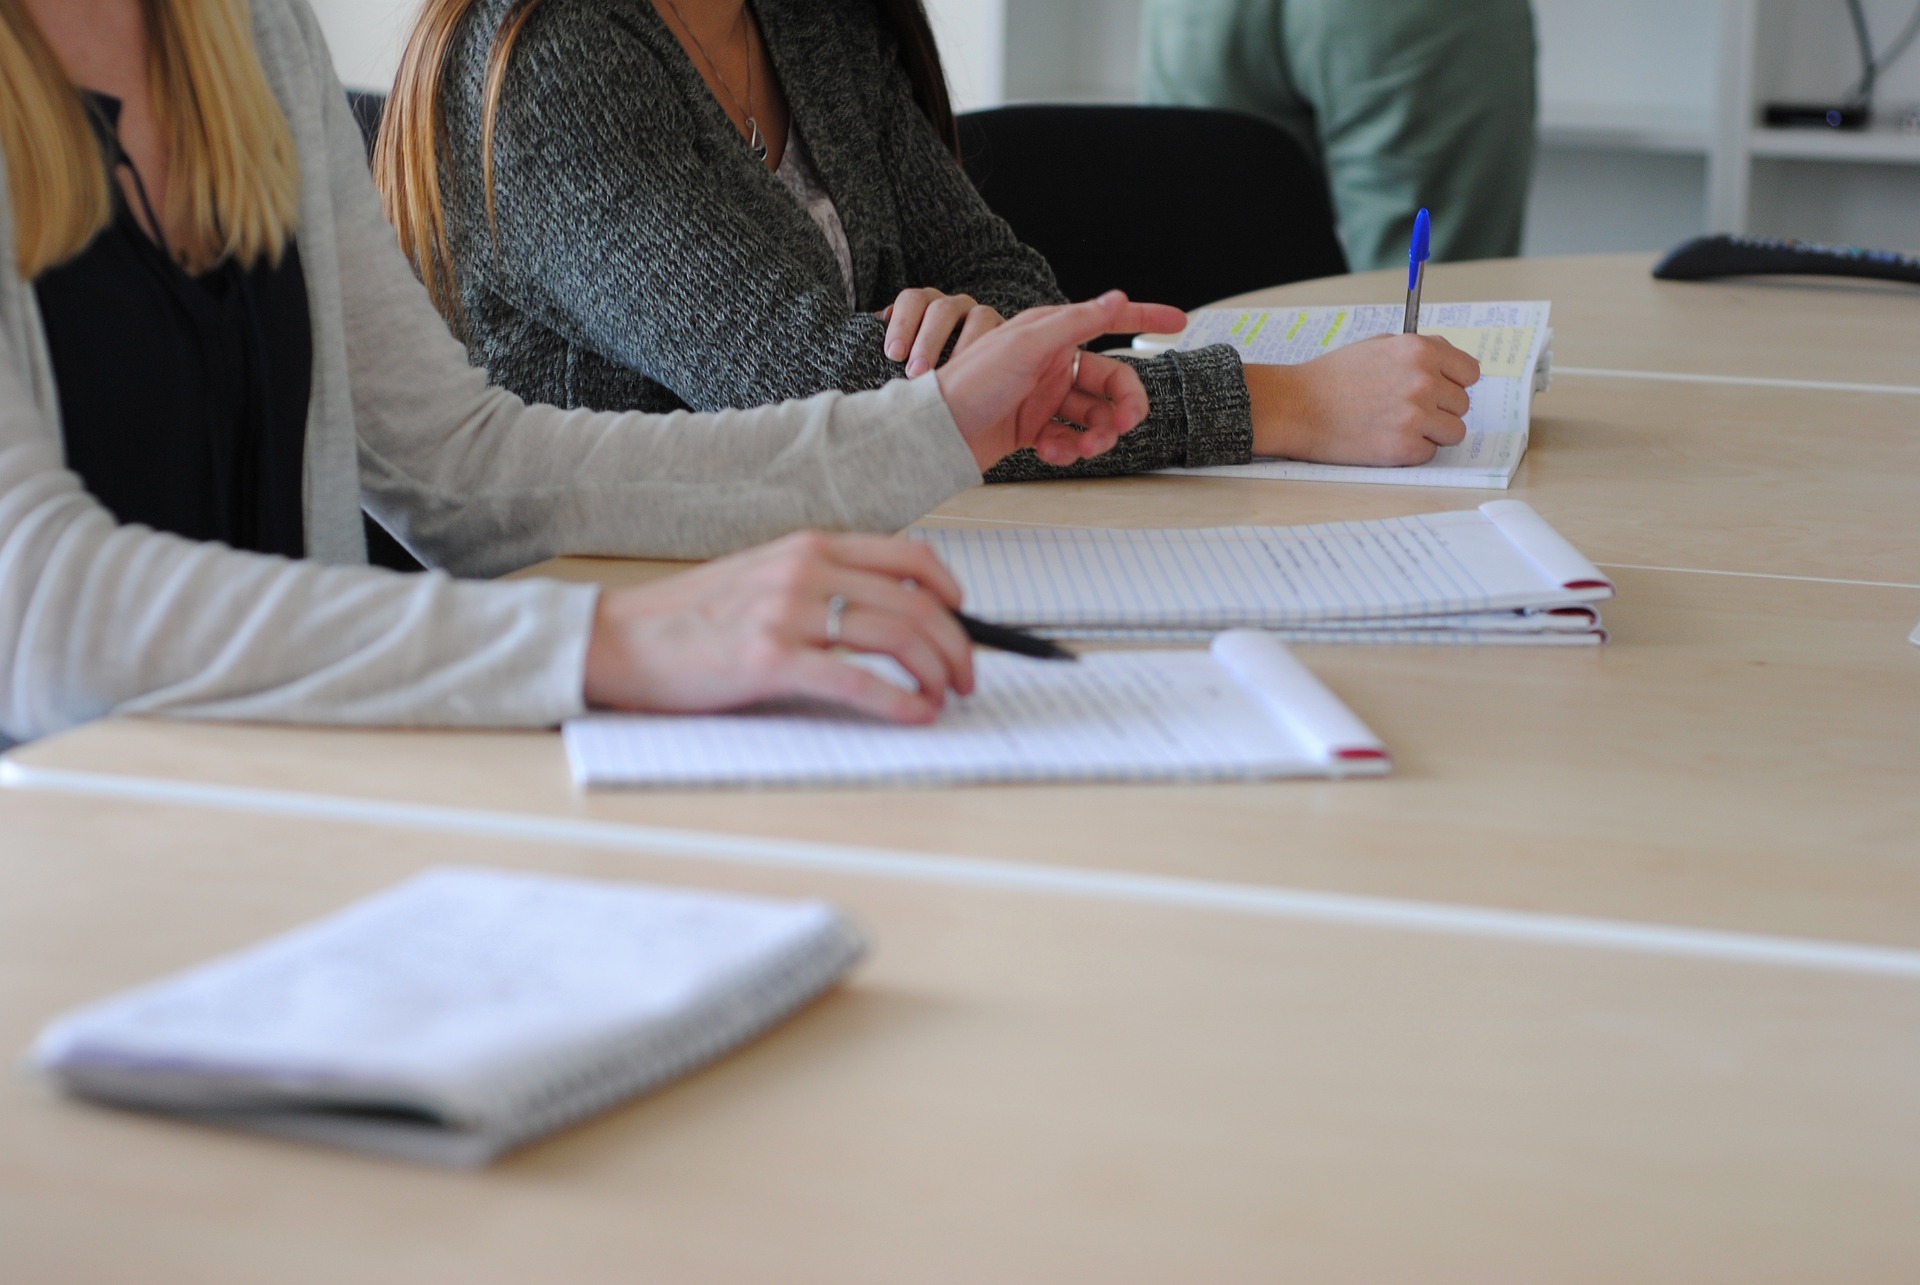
point(1407, 103)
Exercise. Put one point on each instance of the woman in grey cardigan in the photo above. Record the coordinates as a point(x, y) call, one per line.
point(240, 182)
point(701, 203)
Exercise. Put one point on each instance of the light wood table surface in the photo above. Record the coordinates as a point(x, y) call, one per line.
point(1741, 757)
point(1018, 1086)
point(1610, 314)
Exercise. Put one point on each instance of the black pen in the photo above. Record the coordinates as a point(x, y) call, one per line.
point(1017, 641)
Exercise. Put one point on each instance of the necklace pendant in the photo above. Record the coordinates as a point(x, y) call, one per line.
point(756, 142)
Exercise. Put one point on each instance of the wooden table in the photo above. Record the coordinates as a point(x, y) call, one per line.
point(1016, 1087)
point(1457, 1081)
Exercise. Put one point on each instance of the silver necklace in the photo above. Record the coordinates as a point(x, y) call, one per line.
point(756, 142)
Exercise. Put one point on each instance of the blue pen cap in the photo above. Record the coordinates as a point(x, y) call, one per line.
point(1418, 251)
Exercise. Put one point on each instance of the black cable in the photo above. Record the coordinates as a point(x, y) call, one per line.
point(1872, 67)
point(1861, 95)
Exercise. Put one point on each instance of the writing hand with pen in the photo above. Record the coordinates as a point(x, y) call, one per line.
point(1390, 401)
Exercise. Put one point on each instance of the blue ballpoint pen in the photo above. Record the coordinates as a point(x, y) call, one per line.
point(1417, 270)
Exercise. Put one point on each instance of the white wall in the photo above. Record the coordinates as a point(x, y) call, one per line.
point(366, 37)
point(973, 45)
point(1073, 50)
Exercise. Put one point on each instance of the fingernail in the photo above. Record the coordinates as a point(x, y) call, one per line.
point(918, 366)
point(896, 352)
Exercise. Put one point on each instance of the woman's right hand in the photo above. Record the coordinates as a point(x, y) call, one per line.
point(1012, 386)
point(754, 627)
point(1390, 401)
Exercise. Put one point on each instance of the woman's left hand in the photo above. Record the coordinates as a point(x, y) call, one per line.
point(922, 319)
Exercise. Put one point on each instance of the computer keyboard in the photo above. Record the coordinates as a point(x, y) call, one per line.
point(1748, 256)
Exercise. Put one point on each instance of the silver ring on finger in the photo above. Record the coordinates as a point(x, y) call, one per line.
point(1074, 377)
point(836, 615)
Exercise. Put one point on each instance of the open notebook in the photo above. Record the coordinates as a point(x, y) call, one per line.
point(1499, 568)
point(456, 1016)
point(1244, 709)
point(1511, 340)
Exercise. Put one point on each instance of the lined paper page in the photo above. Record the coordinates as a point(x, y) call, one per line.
point(1110, 716)
point(1507, 338)
point(1261, 577)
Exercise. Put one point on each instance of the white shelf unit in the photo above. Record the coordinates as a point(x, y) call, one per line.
point(1664, 79)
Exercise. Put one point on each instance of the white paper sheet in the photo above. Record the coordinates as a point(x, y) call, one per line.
point(1109, 716)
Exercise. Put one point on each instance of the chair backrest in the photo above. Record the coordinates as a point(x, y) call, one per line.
point(382, 549)
point(1175, 205)
point(368, 107)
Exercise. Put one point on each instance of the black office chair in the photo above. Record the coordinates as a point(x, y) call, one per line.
point(1173, 205)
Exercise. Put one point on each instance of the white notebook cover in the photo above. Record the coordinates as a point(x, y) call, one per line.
point(1245, 709)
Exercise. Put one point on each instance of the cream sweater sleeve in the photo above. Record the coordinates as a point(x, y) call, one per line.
point(99, 618)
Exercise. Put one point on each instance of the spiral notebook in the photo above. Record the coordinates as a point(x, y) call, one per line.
point(456, 1016)
point(1511, 340)
point(1498, 569)
point(1244, 709)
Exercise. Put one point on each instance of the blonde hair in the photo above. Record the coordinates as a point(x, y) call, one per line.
point(233, 189)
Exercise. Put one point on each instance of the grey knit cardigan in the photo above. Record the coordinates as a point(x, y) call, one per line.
point(641, 258)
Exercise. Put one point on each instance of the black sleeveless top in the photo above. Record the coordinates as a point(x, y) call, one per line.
point(183, 399)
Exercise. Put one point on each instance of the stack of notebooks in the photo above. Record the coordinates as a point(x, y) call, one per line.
point(1498, 574)
point(1512, 341)
point(457, 1016)
point(1244, 709)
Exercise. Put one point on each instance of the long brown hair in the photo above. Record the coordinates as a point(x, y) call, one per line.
point(921, 55)
point(234, 181)
point(411, 150)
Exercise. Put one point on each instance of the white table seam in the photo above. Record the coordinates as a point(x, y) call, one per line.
point(1760, 575)
point(1738, 381)
point(1385, 913)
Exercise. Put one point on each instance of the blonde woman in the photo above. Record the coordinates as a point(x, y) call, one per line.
point(211, 352)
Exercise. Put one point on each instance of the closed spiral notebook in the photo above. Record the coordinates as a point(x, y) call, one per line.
point(1497, 569)
point(457, 1016)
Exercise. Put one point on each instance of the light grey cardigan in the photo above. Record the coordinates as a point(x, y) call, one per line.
point(99, 618)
